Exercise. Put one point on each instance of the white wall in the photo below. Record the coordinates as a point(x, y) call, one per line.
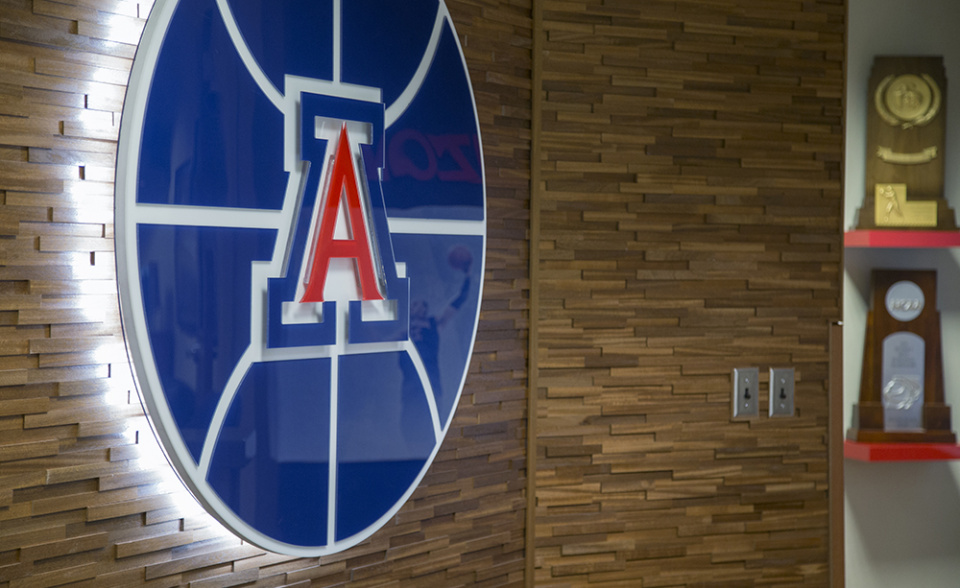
point(902, 519)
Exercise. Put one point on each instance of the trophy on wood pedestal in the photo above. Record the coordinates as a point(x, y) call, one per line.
point(901, 386)
point(906, 126)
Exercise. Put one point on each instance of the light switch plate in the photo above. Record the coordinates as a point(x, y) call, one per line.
point(746, 393)
point(781, 392)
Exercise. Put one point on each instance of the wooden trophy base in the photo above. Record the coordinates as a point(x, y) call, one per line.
point(944, 220)
point(868, 426)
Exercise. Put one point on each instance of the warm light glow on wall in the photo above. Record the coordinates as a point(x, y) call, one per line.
point(96, 284)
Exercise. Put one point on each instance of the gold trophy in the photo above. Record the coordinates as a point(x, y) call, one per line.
point(906, 123)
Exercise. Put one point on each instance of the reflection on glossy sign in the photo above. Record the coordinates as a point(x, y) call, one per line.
point(300, 240)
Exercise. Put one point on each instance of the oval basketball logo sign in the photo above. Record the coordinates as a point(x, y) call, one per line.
point(301, 229)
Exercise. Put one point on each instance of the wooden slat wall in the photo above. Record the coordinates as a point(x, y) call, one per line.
point(690, 220)
point(689, 214)
point(85, 497)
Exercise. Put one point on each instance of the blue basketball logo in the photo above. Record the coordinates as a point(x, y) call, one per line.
point(301, 229)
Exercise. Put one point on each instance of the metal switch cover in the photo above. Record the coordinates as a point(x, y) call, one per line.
point(746, 392)
point(781, 392)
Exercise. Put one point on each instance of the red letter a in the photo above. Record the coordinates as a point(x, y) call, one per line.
point(343, 184)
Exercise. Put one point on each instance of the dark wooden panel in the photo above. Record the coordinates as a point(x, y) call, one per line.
point(690, 224)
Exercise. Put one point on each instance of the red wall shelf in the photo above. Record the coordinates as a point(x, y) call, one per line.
point(900, 451)
point(903, 239)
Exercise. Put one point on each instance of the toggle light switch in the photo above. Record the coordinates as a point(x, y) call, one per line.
point(781, 392)
point(746, 392)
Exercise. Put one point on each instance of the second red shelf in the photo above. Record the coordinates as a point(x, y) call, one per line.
point(900, 451)
point(905, 239)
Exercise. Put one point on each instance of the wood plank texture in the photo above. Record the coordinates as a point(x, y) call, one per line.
point(86, 497)
point(690, 224)
point(688, 197)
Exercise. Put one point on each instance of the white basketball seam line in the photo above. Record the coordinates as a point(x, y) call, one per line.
point(429, 393)
point(207, 216)
point(227, 395)
point(332, 463)
point(277, 219)
point(246, 56)
point(337, 49)
point(249, 357)
point(436, 226)
point(400, 105)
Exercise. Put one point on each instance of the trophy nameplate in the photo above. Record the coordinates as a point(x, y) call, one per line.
point(901, 386)
point(902, 381)
point(906, 128)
